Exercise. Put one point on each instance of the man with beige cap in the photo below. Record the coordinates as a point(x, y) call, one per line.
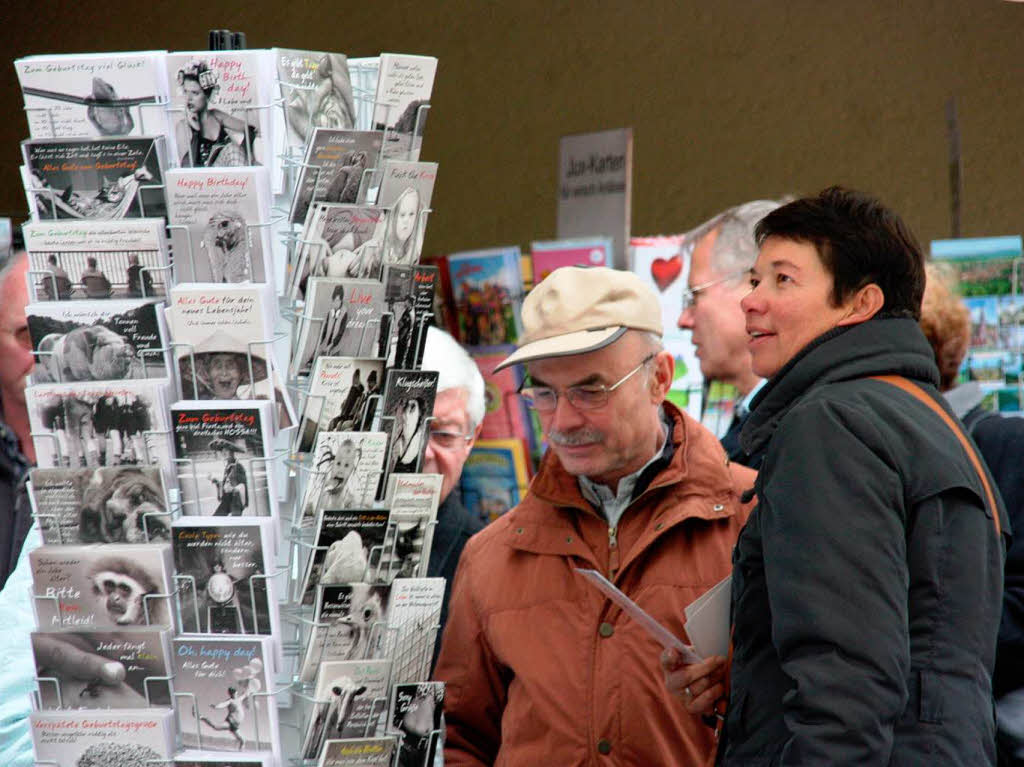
point(540, 667)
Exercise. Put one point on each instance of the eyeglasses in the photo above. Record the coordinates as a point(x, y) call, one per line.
point(585, 397)
point(448, 439)
point(690, 294)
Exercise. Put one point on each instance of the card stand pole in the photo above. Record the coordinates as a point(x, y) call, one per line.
point(265, 577)
point(171, 599)
point(165, 434)
point(195, 712)
point(59, 459)
point(37, 694)
point(190, 580)
point(268, 345)
point(250, 154)
point(311, 410)
point(268, 698)
point(45, 275)
point(36, 598)
point(376, 321)
point(178, 359)
point(138, 103)
point(187, 237)
point(151, 270)
point(189, 464)
point(364, 79)
point(142, 202)
point(169, 680)
point(302, 250)
point(249, 229)
point(370, 179)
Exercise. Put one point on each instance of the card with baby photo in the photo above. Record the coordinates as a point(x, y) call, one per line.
point(340, 390)
point(408, 403)
point(415, 715)
point(222, 450)
point(347, 549)
point(334, 166)
point(339, 241)
point(115, 738)
point(413, 500)
point(95, 179)
point(350, 622)
point(115, 504)
point(345, 472)
point(342, 318)
point(219, 219)
point(351, 702)
point(100, 423)
point(402, 102)
point(72, 260)
point(97, 340)
point(125, 668)
point(409, 295)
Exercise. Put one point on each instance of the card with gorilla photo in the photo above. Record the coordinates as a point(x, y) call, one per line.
point(357, 752)
point(114, 586)
point(222, 452)
point(340, 391)
point(413, 500)
point(114, 738)
point(113, 504)
point(350, 623)
point(409, 295)
point(228, 680)
point(130, 255)
point(404, 86)
point(415, 714)
point(347, 549)
point(97, 340)
point(351, 702)
point(100, 423)
point(85, 95)
point(345, 473)
point(407, 407)
point(223, 570)
point(339, 240)
point(128, 668)
point(333, 168)
point(220, 224)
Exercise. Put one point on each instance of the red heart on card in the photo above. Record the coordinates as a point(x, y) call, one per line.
point(665, 270)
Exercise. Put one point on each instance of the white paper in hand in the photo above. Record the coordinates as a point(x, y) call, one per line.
point(665, 638)
point(707, 619)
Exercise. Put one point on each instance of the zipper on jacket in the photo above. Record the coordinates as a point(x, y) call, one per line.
point(613, 550)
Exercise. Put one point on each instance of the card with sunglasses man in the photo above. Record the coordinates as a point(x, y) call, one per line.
point(540, 668)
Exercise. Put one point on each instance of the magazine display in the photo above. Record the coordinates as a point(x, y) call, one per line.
point(114, 504)
point(505, 413)
point(403, 89)
point(340, 389)
point(546, 256)
point(103, 738)
point(487, 291)
point(351, 702)
point(494, 477)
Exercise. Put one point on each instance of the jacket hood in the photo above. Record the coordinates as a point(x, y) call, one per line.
point(880, 346)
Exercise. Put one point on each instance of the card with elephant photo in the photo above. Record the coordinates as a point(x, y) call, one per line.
point(347, 548)
point(100, 423)
point(345, 473)
point(114, 504)
point(97, 340)
point(351, 701)
point(340, 392)
point(219, 219)
point(122, 668)
point(223, 451)
point(334, 167)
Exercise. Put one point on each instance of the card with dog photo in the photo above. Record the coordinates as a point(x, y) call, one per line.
point(115, 738)
point(343, 318)
point(100, 423)
point(408, 403)
point(351, 622)
point(222, 449)
point(403, 89)
point(69, 178)
point(228, 679)
point(334, 167)
point(115, 504)
point(409, 295)
point(339, 241)
point(347, 549)
point(114, 586)
point(345, 473)
point(97, 340)
point(340, 389)
point(351, 702)
point(357, 752)
point(415, 714)
point(127, 668)
point(413, 500)
point(220, 224)
point(414, 615)
point(71, 260)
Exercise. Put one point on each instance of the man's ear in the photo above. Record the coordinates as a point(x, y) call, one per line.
point(476, 434)
point(664, 366)
point(865, 304)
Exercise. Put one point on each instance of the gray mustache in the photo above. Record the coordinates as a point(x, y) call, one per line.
point(577, 437)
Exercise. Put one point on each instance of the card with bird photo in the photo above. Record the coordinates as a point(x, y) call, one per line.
point(351, 702)
point(350, 623)
point(347, 549)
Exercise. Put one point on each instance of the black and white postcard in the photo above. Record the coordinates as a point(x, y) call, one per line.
point(195, 758)
point(415, 715)
point(130, 256)
point(317, 93)
point(100, 423)
point(347, 549)
point(228, 680)
point(102, 587)
point(351, 702)
point(221, 568)
point(97, 340)
point(334, 167)
point(357, 752)
point(222, 451)
point(405, 192)
point(413, 500)
point(408, 403)
point(342, 318)
point(95, 179)
point(409, 295)
point(339, 241)
point(414, 613)
point(134, 738)
point(345, 473)
point(340, 389)
point(127, 668)
point(403, 94)
point(352, 621)
point(114, 504)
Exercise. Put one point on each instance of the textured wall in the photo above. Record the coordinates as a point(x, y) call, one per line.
point(729, 100)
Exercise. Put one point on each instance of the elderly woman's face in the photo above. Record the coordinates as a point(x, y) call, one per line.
point(789, 303)
point(225, 375)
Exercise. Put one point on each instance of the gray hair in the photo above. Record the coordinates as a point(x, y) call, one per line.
point(455, 370)
point(735, 248)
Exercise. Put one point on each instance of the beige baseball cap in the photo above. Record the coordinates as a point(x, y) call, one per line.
point(580, 309)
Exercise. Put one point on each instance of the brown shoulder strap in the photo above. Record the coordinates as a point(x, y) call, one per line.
point(916, 392)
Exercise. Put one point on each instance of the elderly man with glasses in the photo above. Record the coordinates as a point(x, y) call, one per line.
point(540, 667)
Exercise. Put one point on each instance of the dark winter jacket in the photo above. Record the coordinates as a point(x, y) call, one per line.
point(15, 511)
point(867, 583)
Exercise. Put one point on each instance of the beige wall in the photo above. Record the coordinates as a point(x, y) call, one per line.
point(729, 99)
